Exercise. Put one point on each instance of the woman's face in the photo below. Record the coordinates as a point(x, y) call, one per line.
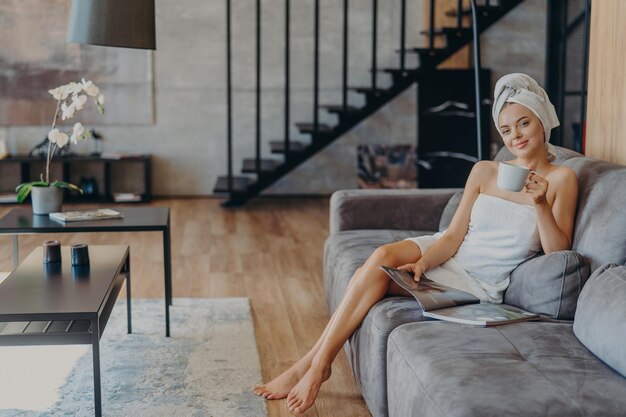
point(521, 130)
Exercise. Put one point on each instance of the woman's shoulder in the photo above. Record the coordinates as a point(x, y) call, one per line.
point(485, 167)
point(562, 174)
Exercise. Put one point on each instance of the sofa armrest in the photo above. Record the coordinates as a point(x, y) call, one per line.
point(549, 284)
point(388, 209)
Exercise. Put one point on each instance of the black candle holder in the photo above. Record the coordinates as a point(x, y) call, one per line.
point(51, 251)
point(80, 254)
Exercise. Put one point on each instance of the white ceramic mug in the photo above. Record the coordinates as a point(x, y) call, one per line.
point(512, 177)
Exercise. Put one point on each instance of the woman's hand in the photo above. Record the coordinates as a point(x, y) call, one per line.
point(417, 269)
point(536, 188)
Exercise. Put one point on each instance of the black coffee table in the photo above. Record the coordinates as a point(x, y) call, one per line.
point(57, 304)
point(136, 219)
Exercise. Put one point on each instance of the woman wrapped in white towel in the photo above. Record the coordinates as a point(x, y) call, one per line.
point(492, 231)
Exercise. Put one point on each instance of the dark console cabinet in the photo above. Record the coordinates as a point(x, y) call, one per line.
point(446, 143)
point(123, 179)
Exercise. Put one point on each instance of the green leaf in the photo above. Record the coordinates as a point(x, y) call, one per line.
point(63, 184)
point(23, 190)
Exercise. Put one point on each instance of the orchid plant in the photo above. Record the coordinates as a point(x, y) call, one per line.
point(71, 98)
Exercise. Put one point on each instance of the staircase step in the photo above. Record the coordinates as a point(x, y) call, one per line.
point(480, 10)
point(267, 165)
point(457, 35)
point(278, 146)
point(240, 184)
point(369, 91)
point(309, 128)
point(338, 108)
point(424, 51)
point(437, 32)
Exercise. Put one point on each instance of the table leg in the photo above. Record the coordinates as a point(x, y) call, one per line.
point(127, 267)
point(168, 277)
point(167, 262)
point(16, 252)
point(95, 337)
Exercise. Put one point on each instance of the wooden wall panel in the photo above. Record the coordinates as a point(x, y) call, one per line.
point(606, 107)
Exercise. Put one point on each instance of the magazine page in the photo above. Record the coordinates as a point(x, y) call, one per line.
point(483, 314)
point(429, 294)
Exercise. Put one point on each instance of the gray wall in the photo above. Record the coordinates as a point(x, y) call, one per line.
point(188, 139)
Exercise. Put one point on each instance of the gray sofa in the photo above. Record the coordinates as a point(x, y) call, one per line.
point(571, 363)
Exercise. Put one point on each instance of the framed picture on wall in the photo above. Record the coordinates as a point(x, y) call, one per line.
point(386, 166)
point(36, 58)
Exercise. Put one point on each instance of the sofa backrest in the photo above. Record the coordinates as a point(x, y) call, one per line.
point(600, 225)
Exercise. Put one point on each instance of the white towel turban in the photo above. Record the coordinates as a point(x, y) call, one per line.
point(522, 89)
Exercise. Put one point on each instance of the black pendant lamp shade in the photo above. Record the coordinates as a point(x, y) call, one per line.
point(120, 23)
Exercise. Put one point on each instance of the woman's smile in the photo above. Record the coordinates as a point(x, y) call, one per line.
point(521, 144)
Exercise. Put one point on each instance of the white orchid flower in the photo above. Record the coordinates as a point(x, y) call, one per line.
point(68, 111)
point(60, 93)
point(57, 137)
point(74, 87)
point(100, 100)
point(77, 133)
point(79, 100)
point(90, 88)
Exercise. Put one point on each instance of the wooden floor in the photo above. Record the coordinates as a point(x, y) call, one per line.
point(269, 251)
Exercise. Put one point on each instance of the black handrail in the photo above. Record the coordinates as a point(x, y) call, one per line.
point(344, 94)
point(258, 87)
point(316, 68)
point(402, 32)
point(431, 30)
point(459, 13)
point(374, 42)
point(479, 134)
point(287, 74)
point(229, 121)
point(583, 81)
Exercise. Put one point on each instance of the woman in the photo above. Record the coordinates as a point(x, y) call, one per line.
point(492, 231)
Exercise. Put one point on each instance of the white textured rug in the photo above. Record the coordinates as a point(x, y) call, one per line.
point(205, 369)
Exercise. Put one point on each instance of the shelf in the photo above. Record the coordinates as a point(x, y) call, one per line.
point(111, 180)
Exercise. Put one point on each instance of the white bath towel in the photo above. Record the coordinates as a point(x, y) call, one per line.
point(502, 234)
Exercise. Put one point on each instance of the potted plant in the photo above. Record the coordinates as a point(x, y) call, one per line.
point(47, 197)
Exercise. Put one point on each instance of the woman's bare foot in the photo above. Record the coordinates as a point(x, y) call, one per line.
point(304, 393)
point(280, 386)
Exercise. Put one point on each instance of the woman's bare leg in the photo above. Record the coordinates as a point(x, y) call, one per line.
point(367, 287)
point(280, 386)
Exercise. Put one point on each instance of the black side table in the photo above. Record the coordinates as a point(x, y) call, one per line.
point(136, 219)
point(57, 304)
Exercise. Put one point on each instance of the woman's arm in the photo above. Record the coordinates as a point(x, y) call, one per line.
point(446, 246)
point(556, 222)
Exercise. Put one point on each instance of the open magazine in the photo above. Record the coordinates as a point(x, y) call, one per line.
point(86, 215)
point(441, 302)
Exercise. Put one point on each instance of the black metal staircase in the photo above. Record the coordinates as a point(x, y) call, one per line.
point(261, 173)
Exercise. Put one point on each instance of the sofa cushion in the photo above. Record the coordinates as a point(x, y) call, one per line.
point(549, 284)
point(522, 369)
point(600, 226)
point(600, 319)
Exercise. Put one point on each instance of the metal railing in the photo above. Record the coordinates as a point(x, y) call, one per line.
point(431, 33)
